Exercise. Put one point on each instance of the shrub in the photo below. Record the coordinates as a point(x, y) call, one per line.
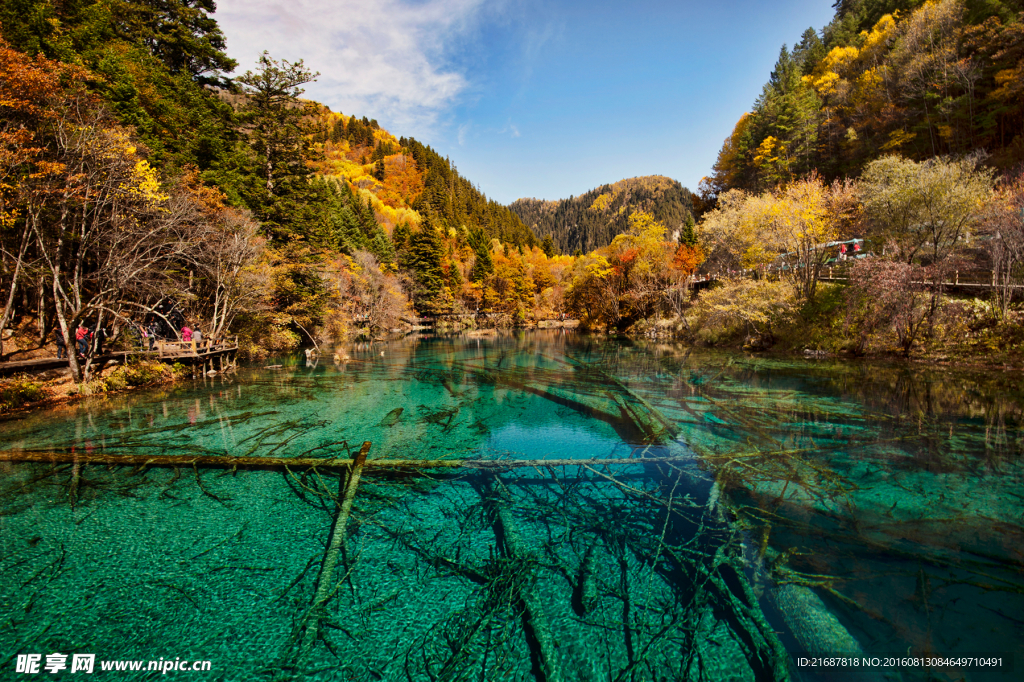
point(820, 325)
point(141, 373)
point(752, 308)
point(19, 391)
point(261, 334)
point(889, 297)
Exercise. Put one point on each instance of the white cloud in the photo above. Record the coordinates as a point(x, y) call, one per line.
point(510, 129)
point(385, 59)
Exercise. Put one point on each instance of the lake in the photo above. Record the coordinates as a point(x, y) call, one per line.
point(727, 517)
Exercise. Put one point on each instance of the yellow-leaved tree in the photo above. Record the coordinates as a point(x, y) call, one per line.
point(588, 296)
point(788, 230)
point(735, 234)
point(641, 259)
point(804, 219)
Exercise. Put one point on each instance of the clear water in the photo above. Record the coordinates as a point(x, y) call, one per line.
point(808, 509)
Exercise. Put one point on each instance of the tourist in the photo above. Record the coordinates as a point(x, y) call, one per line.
point(82, 339)
point(62, 348)
point(101, 335)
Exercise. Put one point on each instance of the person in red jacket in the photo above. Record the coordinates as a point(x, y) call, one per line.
point(82, 337)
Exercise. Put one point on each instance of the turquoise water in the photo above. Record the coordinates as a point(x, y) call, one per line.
point(785, 510)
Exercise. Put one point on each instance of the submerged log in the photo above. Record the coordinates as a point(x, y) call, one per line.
point(538, 630)
point(56, 457)
point(645, 416)
point(326, 586)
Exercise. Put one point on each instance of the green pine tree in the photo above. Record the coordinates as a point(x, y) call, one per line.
point(688, 235)
point(275, 124)
point(426, 255)
point(548, 246)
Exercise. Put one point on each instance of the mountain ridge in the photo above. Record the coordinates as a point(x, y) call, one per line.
point(593, 219)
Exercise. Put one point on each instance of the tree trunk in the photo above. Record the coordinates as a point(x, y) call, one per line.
point(9, 305)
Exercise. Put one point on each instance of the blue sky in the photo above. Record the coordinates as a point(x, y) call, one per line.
point(536, 99)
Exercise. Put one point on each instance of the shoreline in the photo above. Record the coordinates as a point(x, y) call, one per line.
point(64, 391)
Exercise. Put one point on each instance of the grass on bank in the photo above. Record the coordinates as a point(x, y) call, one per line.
point(758, 315)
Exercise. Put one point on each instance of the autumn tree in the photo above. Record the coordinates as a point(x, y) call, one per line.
point(790, 228)
point(511, 286)
point(626, 281)
point(804, 219)
point(89, 202)
point(887, 296)
point(640, 259)
point(379, 295)
point(104, 239)
point(591, 296)
point(231, 277)
point(1004, 227)
point(687, 258)
point(734, 234)
point(755, 308)
point(107, 237)
point(29, 89)
point(926, 209)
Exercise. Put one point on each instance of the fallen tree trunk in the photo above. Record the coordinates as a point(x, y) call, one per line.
point(535, 623)
point(56, 457)
point(326, 585)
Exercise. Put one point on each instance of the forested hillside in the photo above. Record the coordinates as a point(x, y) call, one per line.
point(907, 77)
point(403, 173)
point(256, 210)
point(592, 220)
point(887, 147)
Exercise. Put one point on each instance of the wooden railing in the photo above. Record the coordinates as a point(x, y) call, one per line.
point(168, 349)
point(971, 279)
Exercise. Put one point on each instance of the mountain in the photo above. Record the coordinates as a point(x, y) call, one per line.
point(406, 180)
point(592, 220)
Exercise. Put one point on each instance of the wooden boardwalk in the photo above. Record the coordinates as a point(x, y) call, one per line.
point(968, 281)
point(212, 355)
